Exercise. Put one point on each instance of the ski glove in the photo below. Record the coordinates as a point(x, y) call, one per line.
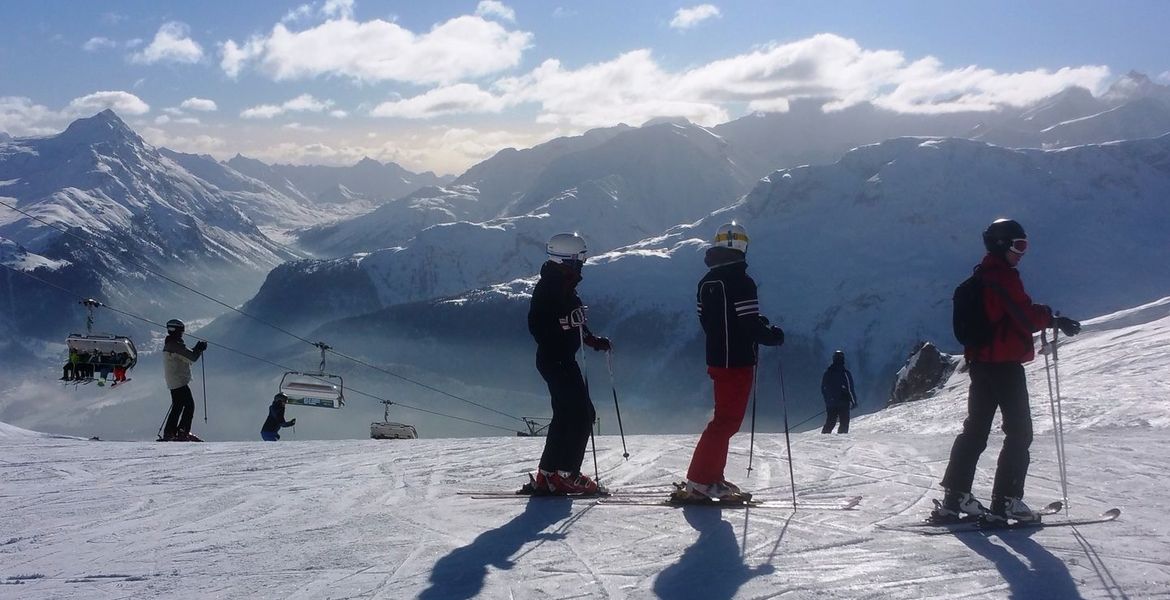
point(1067, 326)
point(776, 336)
point(291, 423)
point(600, 344)
point(200, 346)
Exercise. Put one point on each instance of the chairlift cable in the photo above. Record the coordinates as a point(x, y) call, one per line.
point(257, 358)
point(274, 326)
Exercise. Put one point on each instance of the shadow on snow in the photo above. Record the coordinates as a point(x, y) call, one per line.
point(713, 567)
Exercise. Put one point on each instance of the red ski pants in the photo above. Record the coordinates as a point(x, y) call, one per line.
point(732, 388)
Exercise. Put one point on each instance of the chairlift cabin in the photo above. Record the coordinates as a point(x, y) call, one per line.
point(93, 353)
point(320, 389)
point(385, 430)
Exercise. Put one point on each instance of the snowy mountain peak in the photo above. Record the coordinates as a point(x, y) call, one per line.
point(1134, 86)
point(105, 126)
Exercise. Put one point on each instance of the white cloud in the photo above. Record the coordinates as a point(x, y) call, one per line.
point(199, 104)
point(445, 150)
point(199, 144)
point(378, 50)
point(686, 18)
point(488, 8)
point(339, 9)
point(98, 43)
point(20, 116)
point(302, 103)
point(633, 88)
point(162, 120)
point(123, 103)
point(134, 43)
point(300, 127)
point(461, 98)
point(338, 114)
point(234, 57)
point(1164, 78)
point(171, 44)
point(299, 13)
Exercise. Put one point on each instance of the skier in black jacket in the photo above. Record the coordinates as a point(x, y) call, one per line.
point(837, 390)
point(270, 431)
point(556, 320)
point(729, 312)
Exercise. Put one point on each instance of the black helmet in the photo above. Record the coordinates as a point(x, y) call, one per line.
point(998, 236)
point(175, 326)
point(839, 356)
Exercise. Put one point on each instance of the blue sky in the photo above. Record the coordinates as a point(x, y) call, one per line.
point(442, 85)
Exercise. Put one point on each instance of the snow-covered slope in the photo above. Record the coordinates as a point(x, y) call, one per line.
point(311, 519)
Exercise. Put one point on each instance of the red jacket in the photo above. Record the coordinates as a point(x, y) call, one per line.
point(1015, 323)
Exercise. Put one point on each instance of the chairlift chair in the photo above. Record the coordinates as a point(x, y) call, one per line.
point(319, 388)
point(387, 430)
point(102, 351)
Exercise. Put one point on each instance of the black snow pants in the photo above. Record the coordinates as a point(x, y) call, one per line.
point(572, 415)
point(182, 411)
point(1002, 386)
point(832, 414)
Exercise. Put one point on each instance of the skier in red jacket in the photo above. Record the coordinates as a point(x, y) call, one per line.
point(998, 382)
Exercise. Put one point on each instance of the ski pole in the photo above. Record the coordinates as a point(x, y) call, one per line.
point(1052, 403)
point(616, 408)
point(579, 315)
point(787, 440)
point(1062, 456)
point(203, 366)
point(752, 435)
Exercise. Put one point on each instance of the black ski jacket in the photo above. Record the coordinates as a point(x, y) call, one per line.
point(275, 418)
point(551, 319)
point(837, 387)
point(730, 312)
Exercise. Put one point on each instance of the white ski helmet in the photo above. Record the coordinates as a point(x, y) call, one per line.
point(175, 326)
point(731, 235)
point(566, 247)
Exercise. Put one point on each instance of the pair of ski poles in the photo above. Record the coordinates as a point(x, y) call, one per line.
point(577, 319)
point(784, 408)
point(1053, 375)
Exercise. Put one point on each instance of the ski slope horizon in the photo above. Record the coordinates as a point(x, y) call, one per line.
point(372, 519)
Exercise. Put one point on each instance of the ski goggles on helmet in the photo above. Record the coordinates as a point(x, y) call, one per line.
point(1018, 245)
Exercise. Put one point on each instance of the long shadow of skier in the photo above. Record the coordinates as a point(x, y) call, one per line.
point(712, 568)
point(461, 573)
point(1035, 574)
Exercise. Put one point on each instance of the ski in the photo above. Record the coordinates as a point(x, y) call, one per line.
point(978, 526)
point(844, 504)
point(1049, 509)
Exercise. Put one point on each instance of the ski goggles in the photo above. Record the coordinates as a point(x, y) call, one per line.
point(1019, 246)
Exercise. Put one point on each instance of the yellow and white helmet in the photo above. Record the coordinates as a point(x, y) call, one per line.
point(566, 247)
point(731, 235)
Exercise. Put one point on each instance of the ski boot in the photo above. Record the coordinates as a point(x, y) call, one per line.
point(956, 507)
point(1004, 509)
point(537, 484)
point(719, 492)
point(564, 483)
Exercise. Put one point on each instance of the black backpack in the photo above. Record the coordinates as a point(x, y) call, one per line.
point(969, 318)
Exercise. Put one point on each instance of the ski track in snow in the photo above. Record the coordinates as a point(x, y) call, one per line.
point(366, 519)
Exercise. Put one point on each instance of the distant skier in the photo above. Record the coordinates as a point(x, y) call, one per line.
point(177, 361)
point(837, 390)
point(556, 320)
point(270, 431)
point(997, 381)
point(729, 312)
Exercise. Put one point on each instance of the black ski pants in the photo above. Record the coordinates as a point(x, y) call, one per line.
point(833, 413)
point(572, 415)
point(182, 412)
point(1002, 386)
